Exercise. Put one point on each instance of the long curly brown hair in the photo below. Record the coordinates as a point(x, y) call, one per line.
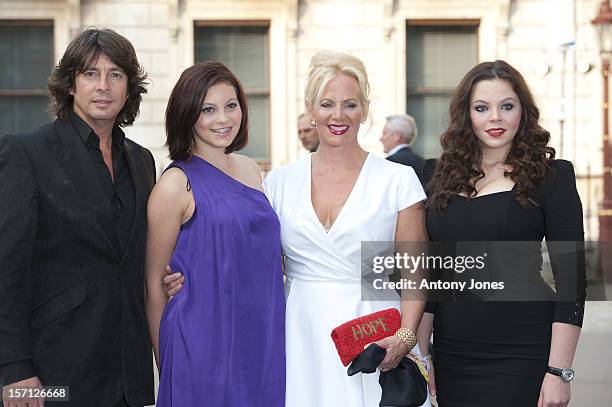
point(460, 164)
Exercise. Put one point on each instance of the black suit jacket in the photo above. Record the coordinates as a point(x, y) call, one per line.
point(407, 157)
point(70, 302)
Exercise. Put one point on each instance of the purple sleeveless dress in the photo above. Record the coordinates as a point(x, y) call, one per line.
point(222, 341)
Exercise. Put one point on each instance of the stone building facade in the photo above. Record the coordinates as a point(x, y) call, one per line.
point(415, 52)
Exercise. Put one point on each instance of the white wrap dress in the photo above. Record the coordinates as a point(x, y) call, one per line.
point(323, 271)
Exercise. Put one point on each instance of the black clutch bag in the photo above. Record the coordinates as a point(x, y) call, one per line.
point(403, 386)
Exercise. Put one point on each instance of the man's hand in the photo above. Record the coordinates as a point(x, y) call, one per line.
point(18, 387)
point(173, 282)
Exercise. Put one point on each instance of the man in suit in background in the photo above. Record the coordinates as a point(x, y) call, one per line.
point(307, 134)
point(398, 135)
point(73, 202)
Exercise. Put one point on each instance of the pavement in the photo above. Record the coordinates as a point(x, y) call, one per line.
point(592, 386)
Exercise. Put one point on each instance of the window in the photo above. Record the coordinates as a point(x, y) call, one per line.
point(245, 50)
point(26, 60)
point(437, 57)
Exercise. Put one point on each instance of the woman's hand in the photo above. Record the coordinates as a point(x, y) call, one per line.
point(431, 384)
point(554, 392)
point(396, 350)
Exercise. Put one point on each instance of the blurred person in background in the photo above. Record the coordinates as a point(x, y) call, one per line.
point(399, 133)
point(307, 133)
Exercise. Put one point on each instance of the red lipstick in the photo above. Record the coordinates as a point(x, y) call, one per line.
point(337, 130)
point(496, 132)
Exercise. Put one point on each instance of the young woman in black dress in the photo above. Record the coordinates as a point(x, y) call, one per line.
point(497, 180)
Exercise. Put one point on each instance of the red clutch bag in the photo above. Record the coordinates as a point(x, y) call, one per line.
point(351, 337)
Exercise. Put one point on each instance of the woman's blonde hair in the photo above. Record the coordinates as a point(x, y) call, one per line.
point(324, 65)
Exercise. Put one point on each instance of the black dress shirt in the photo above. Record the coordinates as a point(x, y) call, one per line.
point(120, 190)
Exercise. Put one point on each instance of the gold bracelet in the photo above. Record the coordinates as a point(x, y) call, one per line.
point(407, 336)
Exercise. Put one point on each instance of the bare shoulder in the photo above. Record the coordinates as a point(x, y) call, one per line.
point(247, 163)
point(172, 181)
point(248, 171)
point(170, 189)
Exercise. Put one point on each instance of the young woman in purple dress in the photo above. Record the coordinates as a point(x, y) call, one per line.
point(220, 340)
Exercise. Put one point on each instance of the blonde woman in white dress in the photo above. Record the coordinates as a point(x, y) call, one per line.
point(328, 203)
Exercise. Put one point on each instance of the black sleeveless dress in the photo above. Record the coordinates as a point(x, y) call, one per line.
point(496, 353)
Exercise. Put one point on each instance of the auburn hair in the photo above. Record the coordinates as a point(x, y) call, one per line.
point(185, 105)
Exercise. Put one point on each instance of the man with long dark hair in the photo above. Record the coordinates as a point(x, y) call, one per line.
point(72, 214)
